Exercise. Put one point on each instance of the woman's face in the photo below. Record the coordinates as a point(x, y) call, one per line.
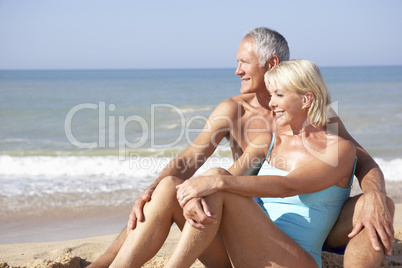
point(287, 105)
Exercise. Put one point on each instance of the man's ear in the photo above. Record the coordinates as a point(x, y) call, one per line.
point(308, 99)
point(272, 62)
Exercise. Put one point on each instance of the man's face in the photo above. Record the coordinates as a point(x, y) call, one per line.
point(248, 68)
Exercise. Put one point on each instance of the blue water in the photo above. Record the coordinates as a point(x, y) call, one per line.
point(34, 106)
point(62, 131)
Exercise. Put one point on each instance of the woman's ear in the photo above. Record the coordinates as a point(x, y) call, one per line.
point(308, 99)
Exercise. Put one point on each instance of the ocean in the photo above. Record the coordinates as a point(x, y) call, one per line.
point(78, 147)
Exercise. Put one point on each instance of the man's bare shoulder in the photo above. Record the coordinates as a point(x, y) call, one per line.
point(230, 106)
point(233, 103)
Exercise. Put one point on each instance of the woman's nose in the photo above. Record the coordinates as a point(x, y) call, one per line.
point(272, 102)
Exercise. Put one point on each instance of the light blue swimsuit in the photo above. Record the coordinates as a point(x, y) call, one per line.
point(306, 218)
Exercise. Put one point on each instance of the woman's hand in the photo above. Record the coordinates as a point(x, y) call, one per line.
point(196, 187)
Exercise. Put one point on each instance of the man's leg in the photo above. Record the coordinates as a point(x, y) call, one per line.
point(359, 251)
point(146, 239)
point(107, 258)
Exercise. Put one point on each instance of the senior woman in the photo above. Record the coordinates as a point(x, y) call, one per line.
point(305, 179)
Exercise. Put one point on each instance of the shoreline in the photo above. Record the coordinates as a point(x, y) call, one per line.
point(40, 229)
point(81, 252)
point(67, 224)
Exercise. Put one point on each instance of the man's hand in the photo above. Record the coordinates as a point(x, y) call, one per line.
point(197, 213)
point(196, 187)
point(377, 219)
point(137, 211)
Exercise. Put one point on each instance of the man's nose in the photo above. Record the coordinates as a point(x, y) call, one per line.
point(239, 69)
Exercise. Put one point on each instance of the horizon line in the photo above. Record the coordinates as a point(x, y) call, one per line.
point(177, 69)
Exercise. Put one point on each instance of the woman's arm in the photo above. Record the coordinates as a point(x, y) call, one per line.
point(316, 175)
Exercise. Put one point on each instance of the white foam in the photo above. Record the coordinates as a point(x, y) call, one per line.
point(111, 167)
point(67, 166)
point(392, 169)
point(38, 183)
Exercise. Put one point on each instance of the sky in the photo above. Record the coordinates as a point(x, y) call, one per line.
point(156, 34)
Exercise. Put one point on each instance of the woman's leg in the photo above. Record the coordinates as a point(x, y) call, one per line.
point(250, 237)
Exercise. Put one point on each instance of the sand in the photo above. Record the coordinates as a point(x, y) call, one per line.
point(81, 252)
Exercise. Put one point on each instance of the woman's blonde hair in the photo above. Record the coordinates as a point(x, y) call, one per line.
point(303, 76)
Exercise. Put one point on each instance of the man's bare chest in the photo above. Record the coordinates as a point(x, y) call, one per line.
point(245, 130)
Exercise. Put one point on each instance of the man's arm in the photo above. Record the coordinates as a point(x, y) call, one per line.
point(188, 162)
point(183, 166)
point(375, 216)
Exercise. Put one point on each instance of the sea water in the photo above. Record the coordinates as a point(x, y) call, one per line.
point(77, 144)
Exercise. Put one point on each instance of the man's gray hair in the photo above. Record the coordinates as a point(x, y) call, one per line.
point(268, 43)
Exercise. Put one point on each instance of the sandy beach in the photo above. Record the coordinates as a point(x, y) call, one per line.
point(81, 252)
